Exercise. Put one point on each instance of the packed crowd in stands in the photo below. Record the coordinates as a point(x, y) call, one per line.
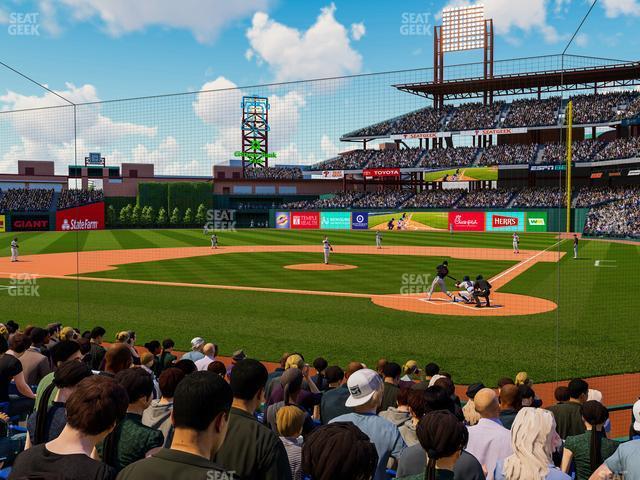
point(600, 108)
point(546, 197)
point(423, 120)
point(405, 158)
point(385, 199)
point(338, 200)
point(449, 157)
point(471, 116)
point(353, 160)
point(440, 198)
point(76, 197)
point(98, 411)
point(632, 110)
point(494, 198)
point(508, 154)
point(25, 200)
point(620, 218)
point(594, 196)
point(581, 151)
point(533, 112)
point(274, 173)
point(619, 149)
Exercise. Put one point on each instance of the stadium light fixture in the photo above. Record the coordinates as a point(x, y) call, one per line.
point(463, 28)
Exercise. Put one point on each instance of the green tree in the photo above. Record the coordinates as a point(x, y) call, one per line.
point(150, 216)
point(175, 218)
point(125, 216)
point(136, 215)
point(111, 216)
point(162, 217)
point(201, 215)
point(188, 217)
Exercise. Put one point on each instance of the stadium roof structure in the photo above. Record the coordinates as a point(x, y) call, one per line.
point(563, 74)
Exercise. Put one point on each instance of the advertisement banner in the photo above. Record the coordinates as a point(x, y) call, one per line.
point(2, 227)
point(30, 223)
point(335, 220)
point(85, 217)
point(505, 222)
point(404, 136)
point(381, 172)
point(466, 221)
point(536, 222)
point(360, 220)
point(493, 131)
point(283, 220)
point(305, 220)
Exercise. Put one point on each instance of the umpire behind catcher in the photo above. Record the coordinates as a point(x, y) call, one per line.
point(481, 289)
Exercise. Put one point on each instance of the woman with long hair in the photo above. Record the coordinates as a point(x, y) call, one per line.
point(47, 422)
point(534, 439)
point(588, 450)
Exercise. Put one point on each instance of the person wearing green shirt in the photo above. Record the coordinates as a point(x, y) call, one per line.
point(61, 352)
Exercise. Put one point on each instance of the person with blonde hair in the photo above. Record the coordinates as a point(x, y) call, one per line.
point(522, 378)
point(533, 439)
point(410, 371)
point(128, 339)
point(289, 421)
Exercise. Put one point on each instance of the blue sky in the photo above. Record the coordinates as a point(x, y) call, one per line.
point(92, 50)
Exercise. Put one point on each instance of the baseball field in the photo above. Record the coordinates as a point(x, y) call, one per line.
point(267, 291)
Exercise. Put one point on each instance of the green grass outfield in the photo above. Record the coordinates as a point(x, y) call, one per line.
point(478, 173)
point(592, 332)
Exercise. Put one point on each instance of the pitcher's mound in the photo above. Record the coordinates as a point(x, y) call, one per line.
point(320, 266)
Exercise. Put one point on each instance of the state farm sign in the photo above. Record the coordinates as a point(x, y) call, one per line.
point(466, 221)
point(85, 217)
point(381, 172)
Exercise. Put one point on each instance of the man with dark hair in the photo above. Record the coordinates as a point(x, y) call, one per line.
point(167, 358)
point(332, 404)
point(251, 449)
point(510, 404)
point(561, 394)
point(61, 352)
point(391, 376)
point(334, 376)
point(117, 358)
point(320, 364)
point(97, 351)
point(35, 365)
point(482, 289)
point(200, 416)
point(92, 411)
point(158, 415)
point(430, 370)
point(567, 414)
point(130, 441)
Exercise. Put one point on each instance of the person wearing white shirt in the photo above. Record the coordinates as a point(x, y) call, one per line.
point(489, 441)
point(209, 352)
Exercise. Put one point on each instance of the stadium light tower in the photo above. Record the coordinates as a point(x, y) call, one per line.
point(255, 133)
point(463, 28)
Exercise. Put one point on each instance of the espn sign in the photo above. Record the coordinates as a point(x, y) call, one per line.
point(85, 217)
point(381, 172)
point(466, 221)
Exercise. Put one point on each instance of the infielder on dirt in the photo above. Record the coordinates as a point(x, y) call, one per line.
point(214, 241)
point(516, 243)
point(378, 239)
point(14, 250)
point(442, 271)
point(327, 248)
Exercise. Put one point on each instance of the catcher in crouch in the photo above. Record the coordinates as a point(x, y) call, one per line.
point(465, 295)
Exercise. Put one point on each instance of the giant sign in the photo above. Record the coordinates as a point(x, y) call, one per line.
point(85, 217)
point(30, 223)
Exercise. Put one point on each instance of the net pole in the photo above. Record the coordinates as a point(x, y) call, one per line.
point(569, 135)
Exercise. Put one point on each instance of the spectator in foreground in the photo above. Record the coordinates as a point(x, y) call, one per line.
point(401, 414)
point(131, 441)
point(117, 358)
point(471, 416)
point(561, 394)
point(443, 437)
point(97, 351)
point(430, 370)
point(35, 365)
point(61, 352)
point(197, 345)
point(534, 439)
point(625, 463)
point(510, 403)
point(147, 362)
point(167, 358)
point(366, 390)
point(319, 379)
point(209, 352)
point(567, 414)
point(47, 423)
point(251, 449)
point(290, 421)
point(588, 450)
point(92, 412)
point(158, 415)
point(218, 368)
point(333, 401)
point(200, 416)
point(339, 450)
point(391, 376)
point(11, 370)
point(634, 430)
point(489, 441)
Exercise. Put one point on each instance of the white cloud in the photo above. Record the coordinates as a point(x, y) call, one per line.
point(48, 17)
point(527, 16)
point(582, 40)
point(203, 18)
point(617, 8)
point(324, 50)
point(4, 17)
point(358, 30)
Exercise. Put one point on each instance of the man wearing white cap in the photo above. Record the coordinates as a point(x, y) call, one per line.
point(197, 344)
point(365, 396)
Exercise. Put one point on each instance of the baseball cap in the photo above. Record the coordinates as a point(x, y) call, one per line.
point(473, 389)
point(636, 416)
point(238, 355)
point(362, 385)
point(197, 342)
point(435, 378)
